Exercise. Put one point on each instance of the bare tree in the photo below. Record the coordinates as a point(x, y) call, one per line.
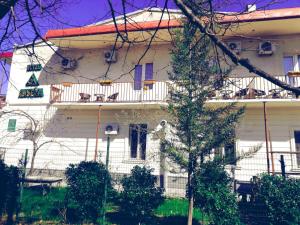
point(33, 131)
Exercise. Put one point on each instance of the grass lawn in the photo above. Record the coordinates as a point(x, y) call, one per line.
point(176, 207)
point(39, 206)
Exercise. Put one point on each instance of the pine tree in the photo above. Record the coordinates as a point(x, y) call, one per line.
point(197, 127)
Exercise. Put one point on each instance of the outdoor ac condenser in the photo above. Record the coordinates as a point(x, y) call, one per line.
point(111, 129)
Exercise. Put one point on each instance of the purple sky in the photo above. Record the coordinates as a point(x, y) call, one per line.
point(84, 12)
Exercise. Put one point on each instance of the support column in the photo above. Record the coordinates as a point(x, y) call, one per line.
point(266, 137)
point(97, 134)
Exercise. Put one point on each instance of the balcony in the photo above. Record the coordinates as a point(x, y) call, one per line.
point(116, 94)
point(244, 90)
point(253, 90)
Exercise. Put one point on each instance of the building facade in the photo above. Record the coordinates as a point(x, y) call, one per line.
point(85, 82)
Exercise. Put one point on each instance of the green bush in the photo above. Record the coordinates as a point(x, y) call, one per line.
point(9, 190)
point(3, 186)
point(213, 194)
point(278, 199)
point(140, 197)
point(85, 192)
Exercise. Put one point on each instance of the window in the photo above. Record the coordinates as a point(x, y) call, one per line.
point(227, 152)
point(137, 141)
point(12, 125)
point(297, 145)
point(139, 73)
point(291, 63)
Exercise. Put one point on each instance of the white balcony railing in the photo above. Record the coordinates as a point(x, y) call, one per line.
point(234, 89)
point(116, 92)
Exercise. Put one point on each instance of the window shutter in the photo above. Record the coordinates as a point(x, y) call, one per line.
point(138, 77)
point(149, 73)
point(12, 125)
point(143, 141)
point(133, 140)
point(288, 64)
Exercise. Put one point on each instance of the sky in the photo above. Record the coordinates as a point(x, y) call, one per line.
point(83, 12)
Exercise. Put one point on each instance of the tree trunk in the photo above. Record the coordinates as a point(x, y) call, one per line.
point(190, 191)
point(191, 208)
point(32, 159)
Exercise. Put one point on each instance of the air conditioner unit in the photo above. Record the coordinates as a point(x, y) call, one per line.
point(235, 46)
point(110, 56)
point(68, 63)
point(111, 129)
point(266, 48)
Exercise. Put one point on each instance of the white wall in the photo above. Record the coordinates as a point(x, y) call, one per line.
point(284, 45)
point(251, 134)
point(73, 133)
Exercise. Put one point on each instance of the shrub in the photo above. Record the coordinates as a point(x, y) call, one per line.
point(140, 197)
point(278, 199)
point(85, 193)
point(9, 190)
point(213, 194)
point(3, 186)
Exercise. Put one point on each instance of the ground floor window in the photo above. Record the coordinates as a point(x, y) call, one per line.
point(297, 145)
point(227, 152)
point(138, 141)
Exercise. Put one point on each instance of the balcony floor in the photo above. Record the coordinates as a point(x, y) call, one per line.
point(257, 103)
point(110, 105)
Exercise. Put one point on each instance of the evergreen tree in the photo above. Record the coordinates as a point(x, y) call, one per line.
point(197, 127)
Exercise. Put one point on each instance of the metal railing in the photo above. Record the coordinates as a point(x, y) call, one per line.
point(115, 92)
point(233, 89)
point(256, 88)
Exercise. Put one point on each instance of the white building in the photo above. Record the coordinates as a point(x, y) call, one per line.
point(71, 96)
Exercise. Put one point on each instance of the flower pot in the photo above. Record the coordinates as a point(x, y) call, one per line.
point(105, 82)
point(67, 84)
point(149, 82)
point(294, 73)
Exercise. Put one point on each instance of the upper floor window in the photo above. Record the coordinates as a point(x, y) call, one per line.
point(138, 141)
point(141, 73)
point(291, 63)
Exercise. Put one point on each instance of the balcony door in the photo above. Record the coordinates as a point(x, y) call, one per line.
point(143, 73)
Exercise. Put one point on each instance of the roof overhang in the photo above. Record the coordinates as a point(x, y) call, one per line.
point(257, 23)
point(105, 35)
point(6, 56)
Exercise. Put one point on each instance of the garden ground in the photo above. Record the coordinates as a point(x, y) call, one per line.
point(44, 206)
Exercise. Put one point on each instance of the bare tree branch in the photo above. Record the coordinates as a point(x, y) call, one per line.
point(192, 16)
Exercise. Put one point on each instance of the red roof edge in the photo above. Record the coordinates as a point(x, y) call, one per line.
point(107, 29)
point(6, 55)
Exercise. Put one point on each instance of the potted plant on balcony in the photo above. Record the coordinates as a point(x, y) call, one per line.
point(294, 73)
point(105, 82)
point(148, 82)
point(67, 84)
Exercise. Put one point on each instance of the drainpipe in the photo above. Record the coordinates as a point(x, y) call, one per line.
point(266, 137)
point(97, 134)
